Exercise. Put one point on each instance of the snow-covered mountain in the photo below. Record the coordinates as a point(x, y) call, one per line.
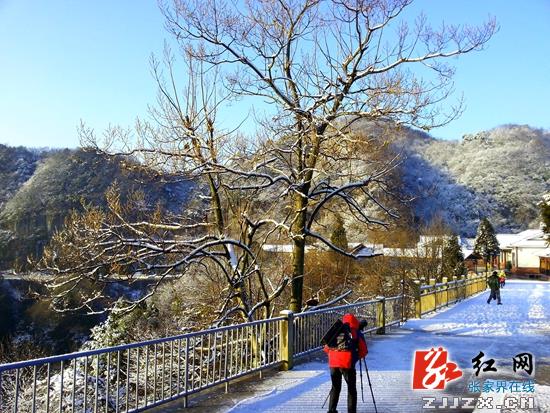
point(40, 188)
point(500, 174)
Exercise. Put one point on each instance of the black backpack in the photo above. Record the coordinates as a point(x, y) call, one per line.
point(338, 337)
point(344, 340)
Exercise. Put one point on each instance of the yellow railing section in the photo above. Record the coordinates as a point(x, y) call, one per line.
point(433, 296)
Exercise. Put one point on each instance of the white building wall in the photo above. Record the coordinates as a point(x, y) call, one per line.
point(529, 257)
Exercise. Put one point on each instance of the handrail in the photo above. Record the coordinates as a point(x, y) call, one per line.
point(340, 307)
point(437, 295)
point(146, 374)
point(112, 349)
point(136, 376)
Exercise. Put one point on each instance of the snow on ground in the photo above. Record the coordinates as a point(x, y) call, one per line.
point(521, 324)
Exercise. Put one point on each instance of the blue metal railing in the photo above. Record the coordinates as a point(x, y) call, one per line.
point(135, 377)
point(138, 376)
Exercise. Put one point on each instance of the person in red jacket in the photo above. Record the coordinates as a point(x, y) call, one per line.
point(342, 363)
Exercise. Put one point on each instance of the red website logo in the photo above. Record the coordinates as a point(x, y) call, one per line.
point(432, 370)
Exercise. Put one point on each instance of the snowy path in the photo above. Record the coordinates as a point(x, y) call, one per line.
point(521, 324)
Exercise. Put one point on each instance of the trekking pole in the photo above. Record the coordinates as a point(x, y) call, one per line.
point(370, 385)
point(328, 395)
point(361, 375)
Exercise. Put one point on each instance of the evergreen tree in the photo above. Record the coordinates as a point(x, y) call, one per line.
point(486, 243)
point(453, 259)
point(339, 237)
point(340, 240)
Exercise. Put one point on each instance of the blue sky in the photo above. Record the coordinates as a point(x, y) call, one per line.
point(66, 60)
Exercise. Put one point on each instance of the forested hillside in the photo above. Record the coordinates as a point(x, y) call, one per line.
point(42, 189)
point(16, 166)
point(500, 174)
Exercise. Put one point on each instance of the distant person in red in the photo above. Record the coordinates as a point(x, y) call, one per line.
point(502, 278)
point(342, 362)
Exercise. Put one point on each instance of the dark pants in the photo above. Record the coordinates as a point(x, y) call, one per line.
point(495, 295)
point(336, 378)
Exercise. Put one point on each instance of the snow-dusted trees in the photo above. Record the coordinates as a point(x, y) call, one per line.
point(486, 243)
point(319, 69)
point(452, 257)
point(545, 214)
point(463, 180)
point(218, 237)
point(321, 66)
point(338, 236)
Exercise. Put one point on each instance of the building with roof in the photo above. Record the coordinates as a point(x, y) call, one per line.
point(366, 250)
point(525, 253)
point(528, 251)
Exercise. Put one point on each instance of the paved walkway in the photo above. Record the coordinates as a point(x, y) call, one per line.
point(521, 324)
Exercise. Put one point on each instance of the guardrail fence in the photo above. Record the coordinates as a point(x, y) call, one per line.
point(134, 377)
point(434, 296)
point(138, 376)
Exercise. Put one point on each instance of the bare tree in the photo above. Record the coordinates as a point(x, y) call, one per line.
point(335, 78)
point(322, 66)
point(218, 240)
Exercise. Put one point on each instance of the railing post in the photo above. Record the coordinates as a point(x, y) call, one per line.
point(445, 281)
point(381, 315)
point(287, 340)
point(455, 289)
point(186, 380)
point(1, 392)
point(417, 299)
point(432, 282)
point(403, 300)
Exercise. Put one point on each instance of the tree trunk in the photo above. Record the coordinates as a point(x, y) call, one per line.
point(298, 253)
point(216, 204)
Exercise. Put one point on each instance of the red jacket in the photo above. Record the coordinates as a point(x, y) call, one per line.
point(346, 359)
